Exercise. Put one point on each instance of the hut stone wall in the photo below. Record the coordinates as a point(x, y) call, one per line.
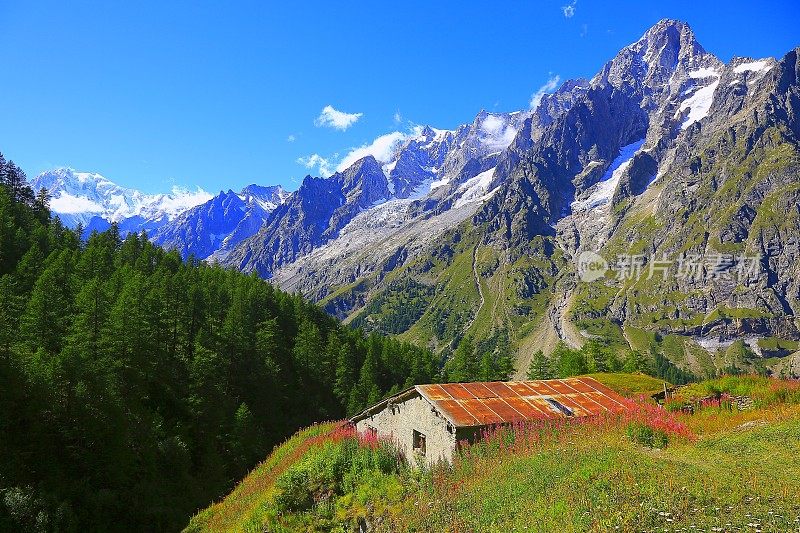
point(408, 419)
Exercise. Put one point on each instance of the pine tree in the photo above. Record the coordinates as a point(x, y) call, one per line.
point(486, 367)
point(10, 306)
point(569, 362)
point(41, 204)
point(595, 355)
point(540, 367)
point(9, 245)
point(346, 363)
point(48, 314)
point(464, 364)
point(92, 308)
point(367, 387)
point(268, 344)
point(308, 348)
point(126, 335)
point(245, 438)
point(504, 367)
point(14, 178)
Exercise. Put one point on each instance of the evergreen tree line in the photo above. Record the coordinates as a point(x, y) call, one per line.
point(136, 387)
point(598, 356)
point(487, 360)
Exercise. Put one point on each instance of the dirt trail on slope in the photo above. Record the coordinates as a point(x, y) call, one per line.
point(480, 289)
point(558, 315)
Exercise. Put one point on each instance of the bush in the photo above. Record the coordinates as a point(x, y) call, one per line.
point(294, 493)
point(339, 465)
point(647, 436)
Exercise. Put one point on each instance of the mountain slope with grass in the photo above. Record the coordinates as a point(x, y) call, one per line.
point(650, 468)
point(677, 170)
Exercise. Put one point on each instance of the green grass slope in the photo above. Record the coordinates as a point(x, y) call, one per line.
point(243, 508)
point(649, 469)
point(631, 385)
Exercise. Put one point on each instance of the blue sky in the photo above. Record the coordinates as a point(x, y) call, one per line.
point(153, 94)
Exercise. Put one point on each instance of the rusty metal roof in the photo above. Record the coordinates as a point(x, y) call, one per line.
point(498, 402)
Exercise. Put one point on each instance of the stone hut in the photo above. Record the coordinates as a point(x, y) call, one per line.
point(428, 421)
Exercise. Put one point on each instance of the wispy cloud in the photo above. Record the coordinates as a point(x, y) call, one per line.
point(333, 118)
point(291, 139)
point(496, 134)
point(398, 118)
point(569, 9)
point(322, 164)
point(584, 30)
point(549, 86)
point(382, 149)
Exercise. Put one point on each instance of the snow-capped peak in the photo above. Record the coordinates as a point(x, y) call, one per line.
point(77, 197)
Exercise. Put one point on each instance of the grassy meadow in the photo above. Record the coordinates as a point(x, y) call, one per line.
point(708, 468)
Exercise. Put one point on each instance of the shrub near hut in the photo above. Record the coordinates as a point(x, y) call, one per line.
point(735, 392)
point(340, 465)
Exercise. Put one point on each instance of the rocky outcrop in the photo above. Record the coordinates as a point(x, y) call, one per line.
point(210, 229)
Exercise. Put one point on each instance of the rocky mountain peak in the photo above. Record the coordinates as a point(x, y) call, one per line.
point(269, 197)
point(427, 134)
point(365, 166)
point(654, 66)
point(364, 182)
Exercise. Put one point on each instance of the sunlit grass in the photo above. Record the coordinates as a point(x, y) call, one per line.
point(723, 469)
point(643, 468)
point(252, 496)
point(631, 384)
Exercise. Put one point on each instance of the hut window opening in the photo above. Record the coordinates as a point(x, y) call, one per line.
point(419, 442)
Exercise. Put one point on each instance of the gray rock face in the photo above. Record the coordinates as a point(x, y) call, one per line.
point(432, 173)
point(419, 160)
point(220, 223)
point(311, 216)
point(725, 188)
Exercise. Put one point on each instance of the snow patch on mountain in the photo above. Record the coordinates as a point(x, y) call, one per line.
point(604, 190)
point(704, 72)
point(171, 205)
point(438, 183)
point(77, 197)
point(698, 104)
point(762, 65)
point(475, 189)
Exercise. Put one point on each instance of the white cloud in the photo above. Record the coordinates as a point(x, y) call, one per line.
point(291, 138)
point(322, 164)
point(497, 135)
point(382, 149)
point(549, 86)
point(182, 199)
point(569, 9)
point(398, 118)
point(66, 203)
point(333, 118)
